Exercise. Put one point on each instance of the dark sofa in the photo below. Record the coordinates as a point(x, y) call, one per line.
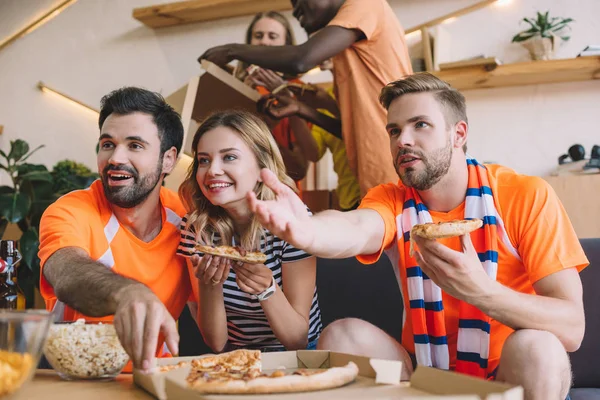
point(350, 289)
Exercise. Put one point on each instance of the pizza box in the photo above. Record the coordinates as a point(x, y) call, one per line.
point(378, 379)
point(214, 90)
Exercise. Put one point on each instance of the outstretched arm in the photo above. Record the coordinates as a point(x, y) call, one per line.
point(328, 42)
point(329, 234)
point(92, 289)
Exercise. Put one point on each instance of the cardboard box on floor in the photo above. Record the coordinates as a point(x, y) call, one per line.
point(378, 379)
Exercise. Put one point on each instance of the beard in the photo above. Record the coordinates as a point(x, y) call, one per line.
point(435, 167)
point(132, 195)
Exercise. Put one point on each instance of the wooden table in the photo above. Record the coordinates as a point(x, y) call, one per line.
point(47, 385)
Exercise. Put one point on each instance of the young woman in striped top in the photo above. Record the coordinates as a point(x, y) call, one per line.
point(268, 307)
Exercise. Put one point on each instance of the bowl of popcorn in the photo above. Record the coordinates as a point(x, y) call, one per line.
point(22, 336)
point(85, 350)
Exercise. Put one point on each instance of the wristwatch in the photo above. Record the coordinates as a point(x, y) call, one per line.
point(268, 292)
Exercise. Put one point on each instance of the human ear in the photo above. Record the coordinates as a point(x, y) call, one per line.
point(169, 160)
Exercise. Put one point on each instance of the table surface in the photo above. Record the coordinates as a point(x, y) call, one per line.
point(48, 385)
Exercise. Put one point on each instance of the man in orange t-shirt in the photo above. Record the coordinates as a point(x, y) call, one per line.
point(110, 249)
point(504, 302)
point(368, 48)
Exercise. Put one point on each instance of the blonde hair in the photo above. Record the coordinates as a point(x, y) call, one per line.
point(452, 101)
point(240, 69)
point(208, 219)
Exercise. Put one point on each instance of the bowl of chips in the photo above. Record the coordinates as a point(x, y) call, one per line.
point(22, 337)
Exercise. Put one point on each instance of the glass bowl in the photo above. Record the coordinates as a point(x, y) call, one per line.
point(22, 336)
point(85, 350)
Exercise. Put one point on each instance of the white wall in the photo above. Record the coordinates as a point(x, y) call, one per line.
point(95, 46)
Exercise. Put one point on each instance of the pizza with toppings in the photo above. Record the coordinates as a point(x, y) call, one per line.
point(240, 371)
point(443, 230)
point(250, 257)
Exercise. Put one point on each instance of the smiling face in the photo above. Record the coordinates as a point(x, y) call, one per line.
point(313, 14)
point(227, 167)
point(421, 141)
point(129, 159)
point(268, 32)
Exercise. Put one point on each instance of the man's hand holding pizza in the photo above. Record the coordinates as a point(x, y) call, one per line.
point(459, 274)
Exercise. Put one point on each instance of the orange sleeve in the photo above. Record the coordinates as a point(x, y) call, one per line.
point(62, 225)
point(540, 227)
point(361, 15)
point(383, 199)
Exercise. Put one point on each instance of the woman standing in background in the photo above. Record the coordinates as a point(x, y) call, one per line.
point(293, 134)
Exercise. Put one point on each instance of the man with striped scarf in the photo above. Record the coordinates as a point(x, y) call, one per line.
point(504, 302)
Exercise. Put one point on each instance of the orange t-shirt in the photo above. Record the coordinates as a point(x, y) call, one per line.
point(535, 221)
point(360, 72)
point(83, 219)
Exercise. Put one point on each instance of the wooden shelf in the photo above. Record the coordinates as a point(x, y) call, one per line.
point(526, 73)
point(186, 12)
point(519, 74)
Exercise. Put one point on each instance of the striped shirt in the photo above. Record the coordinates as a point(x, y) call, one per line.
point(247, 324)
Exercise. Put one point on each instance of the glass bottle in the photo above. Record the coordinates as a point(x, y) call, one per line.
point(10, 295)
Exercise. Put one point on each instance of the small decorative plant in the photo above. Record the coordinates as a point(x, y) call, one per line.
point(540, 38)
point(33, 188)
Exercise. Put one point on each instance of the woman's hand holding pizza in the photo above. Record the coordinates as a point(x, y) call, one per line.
point(253, 278)
point(211, 270)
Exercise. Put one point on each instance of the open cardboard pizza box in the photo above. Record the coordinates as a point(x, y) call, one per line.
point(378, 379)
point(215, 89)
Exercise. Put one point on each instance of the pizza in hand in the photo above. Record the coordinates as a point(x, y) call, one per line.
point(240, 371)
point(232, 253)
point(443, 230)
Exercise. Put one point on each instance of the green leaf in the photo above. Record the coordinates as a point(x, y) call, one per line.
point(33, 151)
point(522, 37)
point(36, 176)
point(18, 149)
point(14, 206)
point(565, 38)
point(3, 154)
point(27, 167)
point(30, 243)
point(6, 189)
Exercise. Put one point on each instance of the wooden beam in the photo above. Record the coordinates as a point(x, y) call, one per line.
point(427, 50)
point(37, 23)
point(186, 12)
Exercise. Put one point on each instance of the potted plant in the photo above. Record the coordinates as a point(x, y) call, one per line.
point(541, 39)
point(33, 189)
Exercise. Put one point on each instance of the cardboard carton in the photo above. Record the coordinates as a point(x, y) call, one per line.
point(378, 379)
point(215, 90)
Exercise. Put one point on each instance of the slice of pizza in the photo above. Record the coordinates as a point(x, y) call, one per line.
point(443, 230)
point(251, 257)
point(240, 372)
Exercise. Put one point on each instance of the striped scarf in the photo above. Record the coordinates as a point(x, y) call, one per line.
point(426, 307)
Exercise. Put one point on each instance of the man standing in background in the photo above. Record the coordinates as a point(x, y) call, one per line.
point(367, 45)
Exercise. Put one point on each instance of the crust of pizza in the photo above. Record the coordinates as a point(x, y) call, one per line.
point(443, 230)
point(319, 380)
point(251, 257)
